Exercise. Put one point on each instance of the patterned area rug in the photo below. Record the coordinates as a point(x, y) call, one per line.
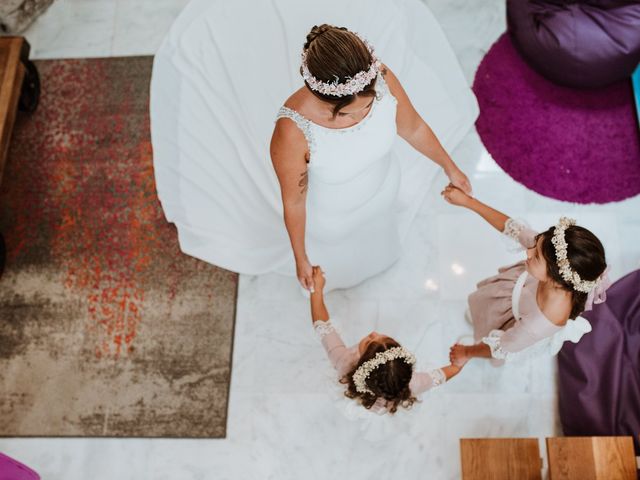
point(106, 328)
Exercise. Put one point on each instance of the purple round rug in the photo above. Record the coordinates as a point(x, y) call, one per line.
point(580, 146)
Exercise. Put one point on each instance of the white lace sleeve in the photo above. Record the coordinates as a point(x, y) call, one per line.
point(518, 235)
point(493, 340)
point(323, 328)
point(541, 347)
point(437, 376)
point(512, 229)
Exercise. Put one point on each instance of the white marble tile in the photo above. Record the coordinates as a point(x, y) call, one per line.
point(544, 378)
point(299, 436)
point(73, 28)
point(413, 277)
point(141, 25)
point(412, 323)
point(102, 28)
point(471, 415)
point(243, 372)
point(273, 287)
point(471, 28)
point(286, 356)
point(629, 233)
point(543, 419)
point(470, 250)
point(485, 415)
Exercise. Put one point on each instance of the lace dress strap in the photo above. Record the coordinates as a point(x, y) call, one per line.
point(303, 124)
point(383, 89)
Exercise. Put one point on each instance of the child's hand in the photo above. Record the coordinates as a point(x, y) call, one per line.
point(458, 355)
point(455, 196)
point(318, 278)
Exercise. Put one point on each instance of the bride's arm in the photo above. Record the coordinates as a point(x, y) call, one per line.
point(419, 135)
point(288, 155)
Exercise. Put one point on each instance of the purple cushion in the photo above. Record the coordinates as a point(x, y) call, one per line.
point(11, 469)
point(599, 377)
point(577, 43)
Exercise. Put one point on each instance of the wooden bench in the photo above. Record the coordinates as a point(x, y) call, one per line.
point(19, 89)
point(500, 459)
point(591, 458)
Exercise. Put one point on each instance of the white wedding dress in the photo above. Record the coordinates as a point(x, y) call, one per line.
point(219, 82)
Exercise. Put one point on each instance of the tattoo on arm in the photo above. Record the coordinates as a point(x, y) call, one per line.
point(303, 183)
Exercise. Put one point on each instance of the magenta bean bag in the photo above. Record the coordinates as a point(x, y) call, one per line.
point(11, 469)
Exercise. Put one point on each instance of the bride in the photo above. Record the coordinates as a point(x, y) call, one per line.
point(346, 188)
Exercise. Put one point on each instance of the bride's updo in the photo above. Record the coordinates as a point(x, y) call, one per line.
point(336, 53)
point(389, 381)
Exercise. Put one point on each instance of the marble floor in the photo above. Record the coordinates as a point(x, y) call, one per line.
point(283, 422)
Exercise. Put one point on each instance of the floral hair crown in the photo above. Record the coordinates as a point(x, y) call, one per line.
point(362, 373)
point(568, 274)
point(353, 85)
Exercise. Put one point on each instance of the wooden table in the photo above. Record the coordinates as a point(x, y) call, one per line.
point(591, 458)
point(19, 89)
point(500, 459)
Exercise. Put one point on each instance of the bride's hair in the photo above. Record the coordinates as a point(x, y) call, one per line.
point(336, 53)
point(389, 381)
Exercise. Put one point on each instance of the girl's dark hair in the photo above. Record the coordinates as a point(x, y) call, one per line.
point(389, 381)
point(586, 256)
point(336, 53)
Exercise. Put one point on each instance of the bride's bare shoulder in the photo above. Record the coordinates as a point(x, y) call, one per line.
point(298, 101)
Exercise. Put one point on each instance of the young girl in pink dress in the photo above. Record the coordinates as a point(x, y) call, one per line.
point(378, 372)
point(534, 305)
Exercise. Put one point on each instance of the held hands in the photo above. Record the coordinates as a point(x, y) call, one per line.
point(304, 272)
point(459, 179)
point(318, 278)
point(455, 196)
point(458, 355)
point(319, 312)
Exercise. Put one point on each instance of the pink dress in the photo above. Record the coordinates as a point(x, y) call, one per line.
point(505, 313)
point(344, 359)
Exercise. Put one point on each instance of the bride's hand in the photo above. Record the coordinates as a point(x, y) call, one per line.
point(455, 196)
point(304, 272)
point(460, 180)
